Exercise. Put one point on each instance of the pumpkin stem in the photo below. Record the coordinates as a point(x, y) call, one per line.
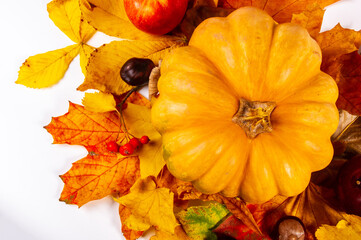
point(254, 117)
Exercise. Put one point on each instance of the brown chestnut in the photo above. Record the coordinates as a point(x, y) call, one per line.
point(291, 228)
point(136, 71)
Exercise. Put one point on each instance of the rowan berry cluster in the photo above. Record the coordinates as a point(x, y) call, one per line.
point(129, 147)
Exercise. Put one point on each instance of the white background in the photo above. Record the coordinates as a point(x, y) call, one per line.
point(29, 163)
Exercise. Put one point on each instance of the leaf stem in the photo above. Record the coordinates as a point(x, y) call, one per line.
point(121, 117)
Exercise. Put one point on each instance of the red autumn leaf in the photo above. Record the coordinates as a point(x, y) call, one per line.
point(280, 10)
point(235, 228)
point(240, 210)
point(195, 16)
point(349, 83)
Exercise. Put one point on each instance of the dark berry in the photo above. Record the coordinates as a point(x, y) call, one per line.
point(136, 71)
point(144, 140)
point(112, 146)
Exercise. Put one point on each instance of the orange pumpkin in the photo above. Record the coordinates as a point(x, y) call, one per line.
point(245, 110)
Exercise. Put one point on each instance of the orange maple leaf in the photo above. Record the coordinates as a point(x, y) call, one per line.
point(97, 176)
point(311, 19)
point(340, 60)
point(101, 173)
point(336, 42)
point(81, 127)
point(280, 10)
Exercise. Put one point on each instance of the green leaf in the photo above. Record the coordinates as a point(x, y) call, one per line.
point(198, 221)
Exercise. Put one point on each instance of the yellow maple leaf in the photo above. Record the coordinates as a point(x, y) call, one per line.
point(99, 102)
point(150, 206)
point(128, 233)
point(349, 229)
point(66, 15)
point(46, 69)
point(105, 63)
point(179, 234)
point(138, 122)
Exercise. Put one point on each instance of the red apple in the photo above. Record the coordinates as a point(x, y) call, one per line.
point(155, 16)
point(349, 185)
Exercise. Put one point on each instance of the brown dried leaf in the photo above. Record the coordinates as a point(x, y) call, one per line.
point(351, 137)
point(345, 120)
point(280, 10)
point(195, 16)
point(197, 3)
point(327, 177)
point(349, 83)
point(311, 207)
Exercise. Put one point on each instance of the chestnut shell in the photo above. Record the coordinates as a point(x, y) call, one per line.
point(136, 71)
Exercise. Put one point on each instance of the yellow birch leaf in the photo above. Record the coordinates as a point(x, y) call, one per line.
point(67, 16)
point(109, 16)
point(46, 69)
point(85, 52)
point(349, 229)
point(103, 69)
point(99, 102)
point(138, 122)
point(151, 205)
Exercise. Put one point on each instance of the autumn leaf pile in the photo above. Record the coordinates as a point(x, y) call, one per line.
point(148, 195)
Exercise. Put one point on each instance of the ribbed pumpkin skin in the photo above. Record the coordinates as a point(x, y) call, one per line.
point(246, 55)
